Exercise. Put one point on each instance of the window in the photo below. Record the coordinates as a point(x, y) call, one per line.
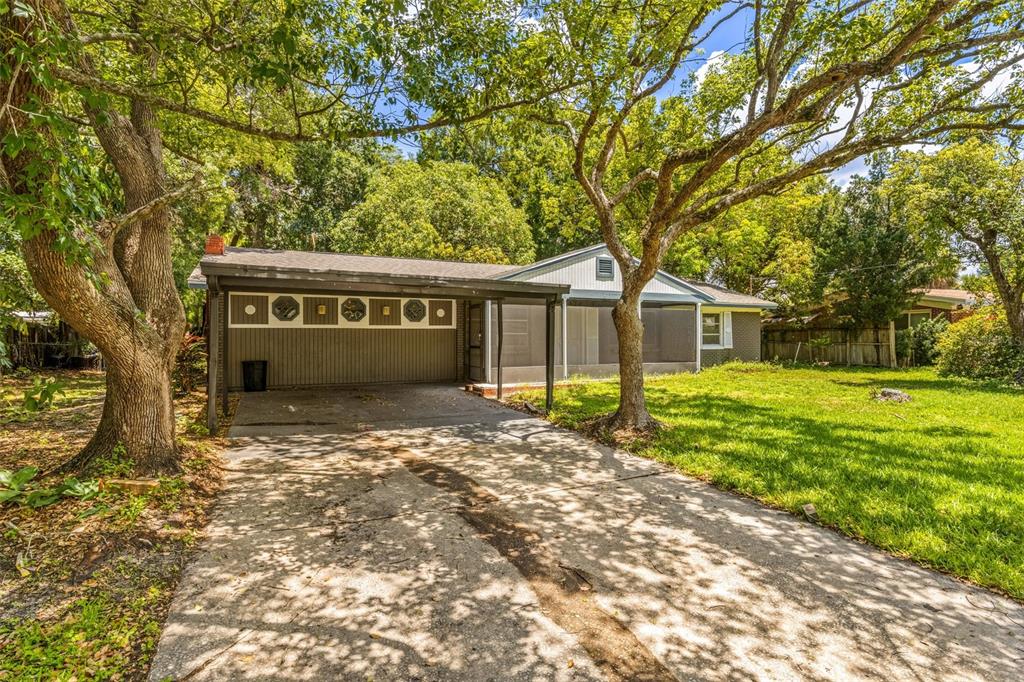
point(605, 268)
point(912, 319)
point(711, 329)
point(917, 318)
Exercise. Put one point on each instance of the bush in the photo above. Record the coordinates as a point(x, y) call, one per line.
point(980, 347)
point(918, 345)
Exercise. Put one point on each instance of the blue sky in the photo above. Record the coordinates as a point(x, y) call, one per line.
point(728, 37)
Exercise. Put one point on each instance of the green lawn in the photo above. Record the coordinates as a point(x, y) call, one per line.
point(939, 479)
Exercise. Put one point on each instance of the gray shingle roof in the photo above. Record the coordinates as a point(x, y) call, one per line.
point(414, 267)
point(347, 262)
point(724, 296)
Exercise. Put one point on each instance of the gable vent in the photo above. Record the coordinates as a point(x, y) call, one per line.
point(605, 268)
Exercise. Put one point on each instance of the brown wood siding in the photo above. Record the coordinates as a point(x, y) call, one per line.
point(445, 319)
point(238, 303)
point(325, 356)
point(377, 316)
point(310, 314)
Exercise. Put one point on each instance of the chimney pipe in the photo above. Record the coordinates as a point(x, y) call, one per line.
point(215, 245)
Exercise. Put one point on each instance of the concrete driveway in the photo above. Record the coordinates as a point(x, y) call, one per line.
point(420, 533)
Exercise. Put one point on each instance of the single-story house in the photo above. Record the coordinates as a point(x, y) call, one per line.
point(949, 303)
point(329, 319)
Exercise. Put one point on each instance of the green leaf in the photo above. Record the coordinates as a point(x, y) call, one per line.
point(8, 495)
point(42, 498)
point(20, 477)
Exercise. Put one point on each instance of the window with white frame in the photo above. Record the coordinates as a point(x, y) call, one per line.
point(711, 329)
point(916, 318)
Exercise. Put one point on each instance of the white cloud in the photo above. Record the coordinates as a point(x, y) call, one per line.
point(716, 57)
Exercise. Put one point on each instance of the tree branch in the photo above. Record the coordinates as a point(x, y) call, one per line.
point(131, 92)
point(108, 229)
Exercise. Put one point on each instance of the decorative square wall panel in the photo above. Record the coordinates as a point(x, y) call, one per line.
point(285, 308)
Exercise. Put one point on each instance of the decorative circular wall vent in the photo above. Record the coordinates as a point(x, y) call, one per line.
point(250, 309)
point(353, 309)
point(285, 308)
point(415, 310)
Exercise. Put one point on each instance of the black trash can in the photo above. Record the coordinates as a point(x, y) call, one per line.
point(254, 375)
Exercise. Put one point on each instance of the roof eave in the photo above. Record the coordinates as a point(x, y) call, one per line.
point(335, 277)
point(765, 305)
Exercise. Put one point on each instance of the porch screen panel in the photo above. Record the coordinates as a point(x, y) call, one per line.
point(523, 344)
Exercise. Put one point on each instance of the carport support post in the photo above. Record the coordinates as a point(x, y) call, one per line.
point(565, 337)
point(212, 343)
point(501, 334)
point(224, 352)
point(549, 378)
point(698, 334)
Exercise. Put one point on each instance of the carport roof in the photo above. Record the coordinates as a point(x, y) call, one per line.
point(240, 267)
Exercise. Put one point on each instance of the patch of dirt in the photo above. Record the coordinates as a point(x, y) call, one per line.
point(119, 551)
point(44, 439)
point(604, 430)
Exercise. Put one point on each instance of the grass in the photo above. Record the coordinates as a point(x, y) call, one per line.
point(939, 480)
point(85, 584)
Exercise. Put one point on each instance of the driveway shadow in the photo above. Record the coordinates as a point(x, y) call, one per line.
point(338, 556)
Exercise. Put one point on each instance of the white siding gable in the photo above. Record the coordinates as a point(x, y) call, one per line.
point(580, 272)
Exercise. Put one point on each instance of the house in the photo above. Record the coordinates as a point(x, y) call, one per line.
point(819, 335)
point(949, 303)
point(323, 319)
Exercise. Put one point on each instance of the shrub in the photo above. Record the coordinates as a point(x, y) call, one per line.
point(981, 347)
point(918, 345)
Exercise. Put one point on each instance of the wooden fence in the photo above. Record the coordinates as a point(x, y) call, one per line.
point(42, 345)
point(875, 346)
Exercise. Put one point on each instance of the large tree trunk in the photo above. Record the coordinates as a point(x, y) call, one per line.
point(1015, 318)
point(124, 300)
point(632, 413)
point(1009, 292)
point(139, 351)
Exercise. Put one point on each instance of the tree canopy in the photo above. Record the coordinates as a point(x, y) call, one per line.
point(435, 210)
point(969, 199)
point(867, 257)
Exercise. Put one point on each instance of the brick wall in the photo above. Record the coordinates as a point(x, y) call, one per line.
point(746, 341)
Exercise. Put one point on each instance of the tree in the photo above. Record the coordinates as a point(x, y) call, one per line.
point(119, 87)
point(867, 256)
point(329, 181)
point(970, 198)
point(811, 87)
point(437, 210)
point(764, 247)
point(529, 162)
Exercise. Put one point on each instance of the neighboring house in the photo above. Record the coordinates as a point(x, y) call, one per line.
point(322, 319)
point(949, 303)
point(819, 335)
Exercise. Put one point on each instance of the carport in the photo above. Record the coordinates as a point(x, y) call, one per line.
point(325, 320)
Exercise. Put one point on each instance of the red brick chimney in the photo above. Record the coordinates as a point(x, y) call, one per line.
point(215, 245)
